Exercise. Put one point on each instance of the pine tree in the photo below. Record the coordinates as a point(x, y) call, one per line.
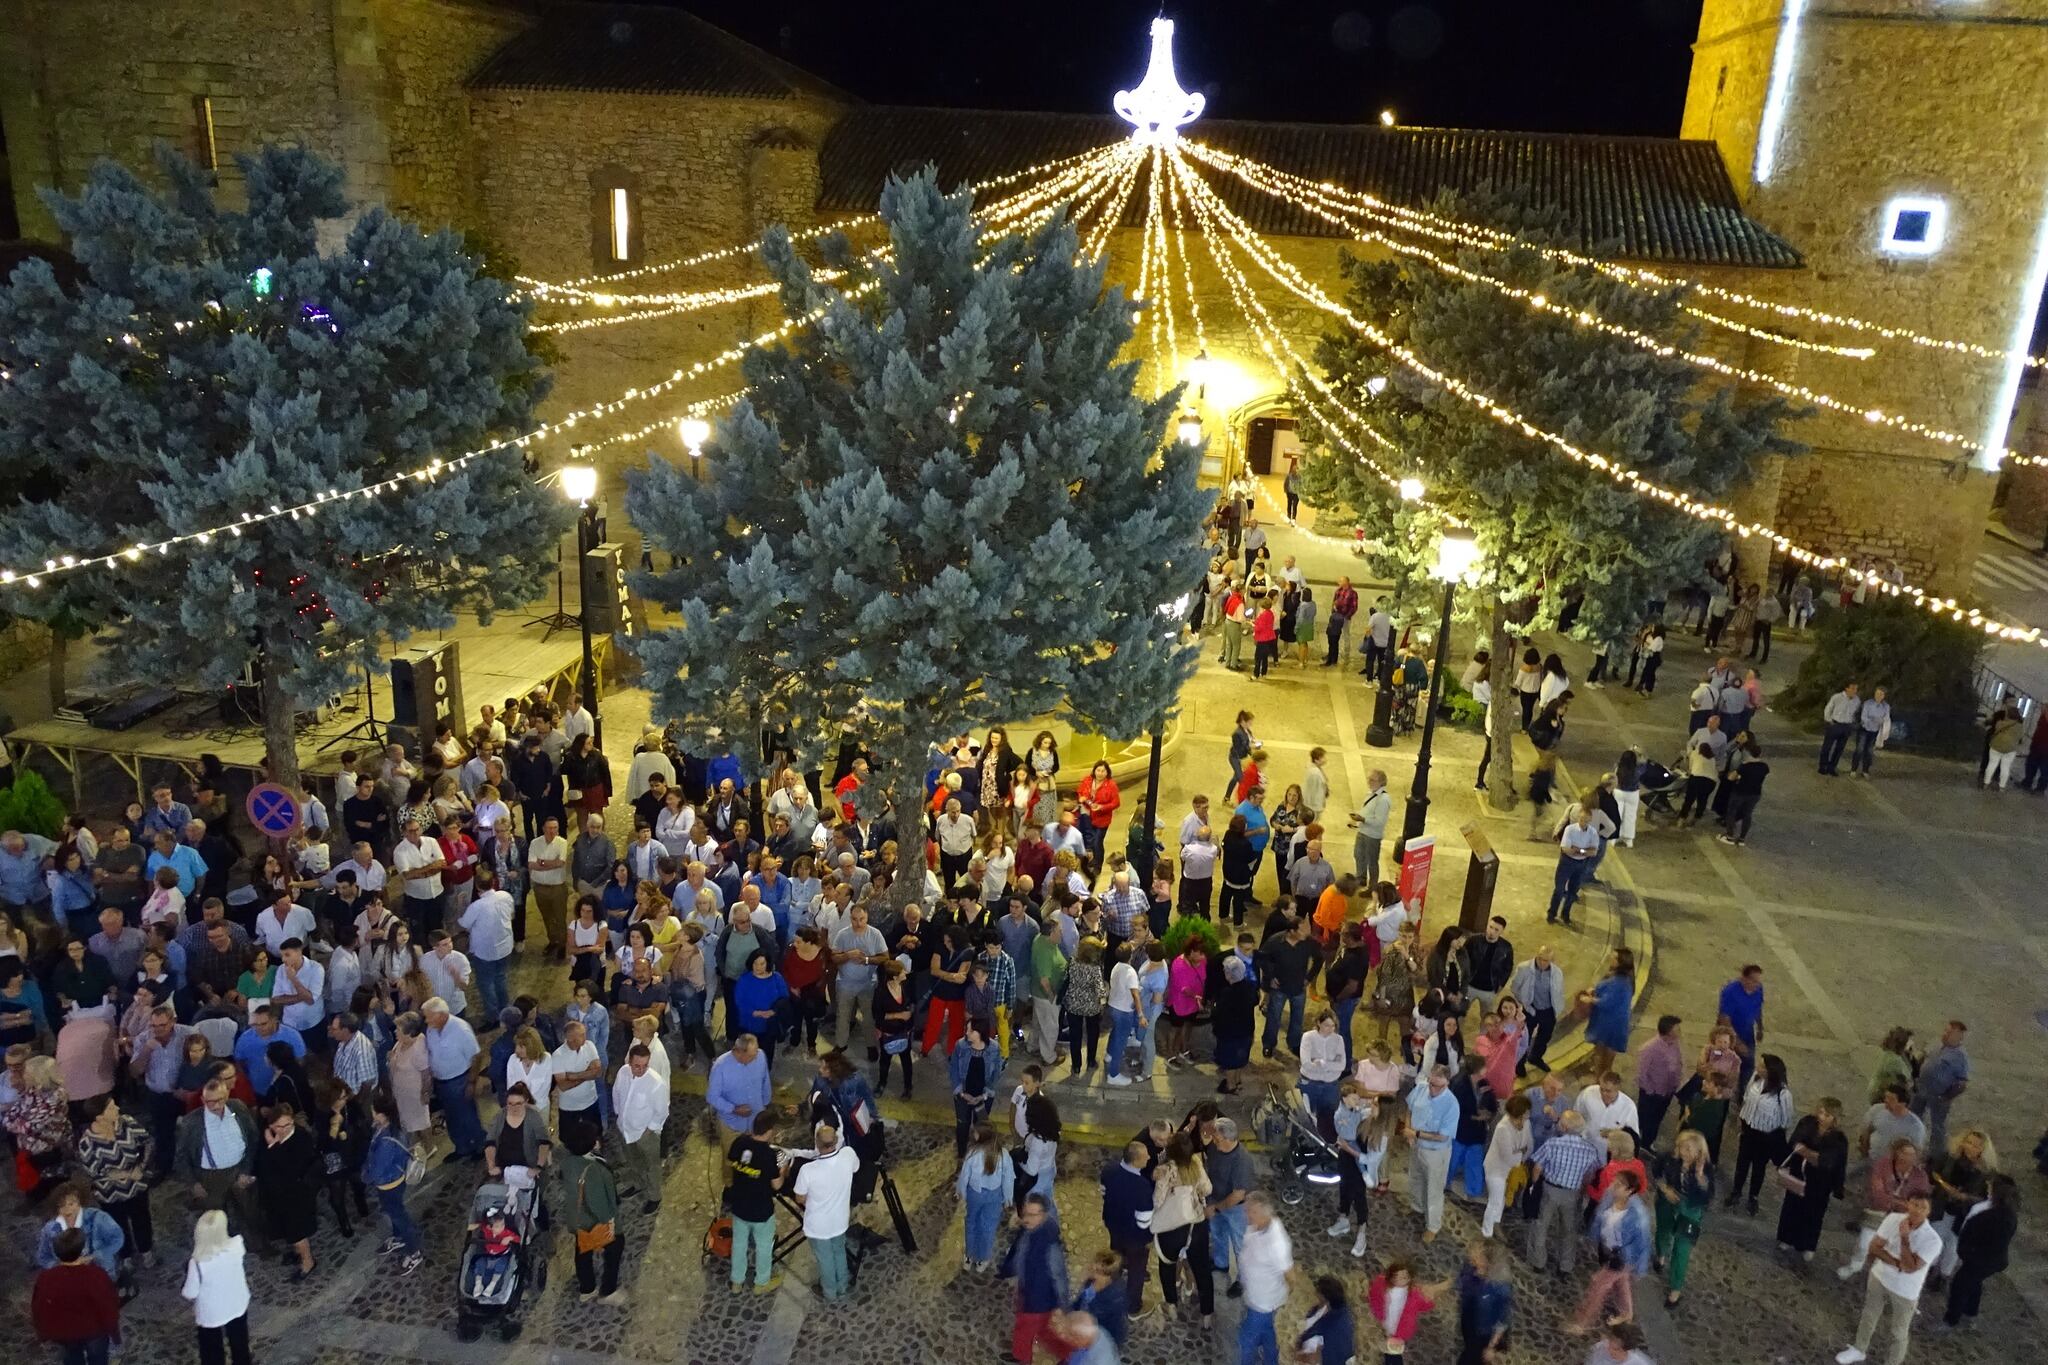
point(216, 363)
point(1553, 532)
point(940, 508)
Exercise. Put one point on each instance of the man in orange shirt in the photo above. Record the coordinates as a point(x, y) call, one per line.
point(1333, 906)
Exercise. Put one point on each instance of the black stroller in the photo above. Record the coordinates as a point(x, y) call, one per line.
point(489, 1295)
point(1660, 787)
point(1302, 1156)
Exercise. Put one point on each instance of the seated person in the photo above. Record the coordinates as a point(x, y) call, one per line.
point(500, 1242)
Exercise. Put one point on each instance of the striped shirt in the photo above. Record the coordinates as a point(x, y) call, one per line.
point(1767, 1113)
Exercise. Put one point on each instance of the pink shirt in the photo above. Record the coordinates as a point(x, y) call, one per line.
point(1184, 986)
point(1500, 1064)
point(85, 1057)
point(1378, 1079)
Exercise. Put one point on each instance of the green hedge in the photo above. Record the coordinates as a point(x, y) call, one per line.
point(1926, 664)
point(1191, 926)
point(30, 806)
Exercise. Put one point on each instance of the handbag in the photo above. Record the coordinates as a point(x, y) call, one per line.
point(596, 1237)
point(1782, 1173)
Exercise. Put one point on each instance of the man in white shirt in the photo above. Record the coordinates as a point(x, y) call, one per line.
point(447, 970)
point(1904, 1250)
point(488, 922)
point(640, 1099)
point(1605, 1106)
point(576, 720)
point(1063, 836)
point(1371, 823)
point(578, 1073)
point(362, 862)
point(419, 865)
point(300, 990)
point(284, 920)
point(1577, 845)
point(547, 871)
point(825, 1188)
point(1265, 1267)
point(489, 723)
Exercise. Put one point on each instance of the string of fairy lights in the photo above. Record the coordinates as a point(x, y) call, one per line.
point(310, 507)
point(1536, 301)
point(1101, 184)
point(1425, 222)
point(1290, 279)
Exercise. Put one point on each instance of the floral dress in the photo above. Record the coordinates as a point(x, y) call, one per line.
point(1393, 992)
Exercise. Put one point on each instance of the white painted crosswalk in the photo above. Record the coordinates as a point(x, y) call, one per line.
point(2008, 570)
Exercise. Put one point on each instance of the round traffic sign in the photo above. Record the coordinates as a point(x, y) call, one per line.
point(274, 810)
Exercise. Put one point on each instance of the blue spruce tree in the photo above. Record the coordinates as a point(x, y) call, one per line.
point(217, 363)
point(940, 508)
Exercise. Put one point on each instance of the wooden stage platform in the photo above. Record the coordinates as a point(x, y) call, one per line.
point(507, 658)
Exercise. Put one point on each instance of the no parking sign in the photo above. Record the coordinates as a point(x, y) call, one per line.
point(274, 811)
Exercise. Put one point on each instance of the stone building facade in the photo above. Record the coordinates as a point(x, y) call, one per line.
point(538, 122)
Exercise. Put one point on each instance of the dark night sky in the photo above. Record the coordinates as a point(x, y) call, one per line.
point(1616, 66)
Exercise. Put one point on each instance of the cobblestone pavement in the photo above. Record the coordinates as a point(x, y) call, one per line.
point(1742, 1306)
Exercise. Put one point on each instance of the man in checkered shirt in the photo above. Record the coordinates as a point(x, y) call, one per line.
point(1121, 906)
point(1002, 983)
point(1564, 1165)
point(355, 1056)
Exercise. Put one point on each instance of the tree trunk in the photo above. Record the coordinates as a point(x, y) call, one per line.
point(280, 745)
point(60, 655)
point(1506, 720)
point(903, 776)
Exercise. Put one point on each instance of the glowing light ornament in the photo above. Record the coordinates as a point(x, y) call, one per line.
point(1158, 109)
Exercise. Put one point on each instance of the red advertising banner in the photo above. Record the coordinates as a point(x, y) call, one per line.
point(1418, 853)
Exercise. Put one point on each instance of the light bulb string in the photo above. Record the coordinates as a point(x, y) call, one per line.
point(1539, 302)
point(577, 286)
point(1490, 238)
point(1290, 279)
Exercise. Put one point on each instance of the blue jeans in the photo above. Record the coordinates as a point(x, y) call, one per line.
point(1148, 1060)
point(402, 1225)
point(1469, 1160)
point(761, 1236)
point(984, 1214)
point(490, 986)
point(1866, 748)
point(1226, 1235)
point(1344, 1009)
point(1322, 1100)
point(833, 1278)
point(1256, 1341)
point(458, 1106)
point(1297, 1006)
point(1122, 1024)
point(1571, 874)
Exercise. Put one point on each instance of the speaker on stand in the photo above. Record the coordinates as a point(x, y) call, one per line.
point(426, 690)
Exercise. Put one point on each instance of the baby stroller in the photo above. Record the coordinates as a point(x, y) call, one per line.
point(488, 1295)
point(1302, 1156)
point(1659, 786)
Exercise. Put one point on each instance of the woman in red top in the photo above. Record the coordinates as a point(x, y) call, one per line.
point(1265, 637)
point(1099, 799)
point(803, 967)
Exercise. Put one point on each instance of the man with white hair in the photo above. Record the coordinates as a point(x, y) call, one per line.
point(825, 1189)
point(1266, 1269)
point(1432, 1123)
point(1121, 905)
point(451, 1061)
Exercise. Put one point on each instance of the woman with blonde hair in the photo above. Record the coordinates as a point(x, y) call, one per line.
point(39, 1121)
point(1180, 1225)
point(219, 1291)
point(1959, 1177)
point(410, 1079)
point(1685, 1191)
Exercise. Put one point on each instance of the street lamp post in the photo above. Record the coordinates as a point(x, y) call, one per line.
point(695, 431)
point(579, 485)
point(1456, 556)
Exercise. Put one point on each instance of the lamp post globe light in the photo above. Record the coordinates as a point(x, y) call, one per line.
point(1457, 556)
point(579, 485)
point(695, 431)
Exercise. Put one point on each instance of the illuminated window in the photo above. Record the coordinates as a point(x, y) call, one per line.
point(622, 224)
point(1914, 225)
point(615, 219)
point(205, 142)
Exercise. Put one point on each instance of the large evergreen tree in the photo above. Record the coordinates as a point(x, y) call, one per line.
point(940, 508)
point(215, 363)
point(1554, 532)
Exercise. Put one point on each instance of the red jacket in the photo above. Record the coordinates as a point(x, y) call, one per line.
point(1034, 860)
point(1411, 1311)
point(1264, 631)
point(1106, 798)
point(72, 1303)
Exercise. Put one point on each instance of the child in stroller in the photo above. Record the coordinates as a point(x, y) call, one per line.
point(498, 1245)
point(504, 1261)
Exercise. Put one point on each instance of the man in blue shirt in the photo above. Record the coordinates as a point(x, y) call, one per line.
point(1256, 827)
point(182, 859)
point(165, 816)
point(1943, 1077)
point(740, 1085)
point(23, 860)
point(1742, 1009)
point(1432, 1123)
point(253, 1047)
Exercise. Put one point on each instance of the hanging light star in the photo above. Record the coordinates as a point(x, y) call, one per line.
point(1158, 109)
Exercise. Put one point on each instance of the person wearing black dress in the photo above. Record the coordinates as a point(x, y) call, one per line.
point(1817, 1157)
point(343, 1126)
point(288, 1179)
point(1983, 1240)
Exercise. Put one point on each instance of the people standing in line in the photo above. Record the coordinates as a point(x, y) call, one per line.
point(1839, 719)
point(1873, 728)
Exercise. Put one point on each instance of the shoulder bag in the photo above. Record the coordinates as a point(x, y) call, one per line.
point(594, 1238)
